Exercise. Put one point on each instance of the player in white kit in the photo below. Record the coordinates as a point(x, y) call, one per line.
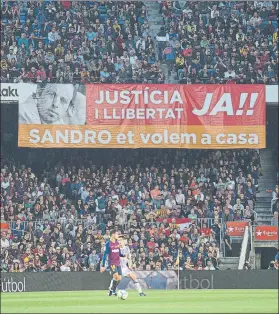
point(126, 262)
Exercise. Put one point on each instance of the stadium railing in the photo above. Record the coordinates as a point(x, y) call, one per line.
point(200, 222)
point(244, 248)
point(209, 222)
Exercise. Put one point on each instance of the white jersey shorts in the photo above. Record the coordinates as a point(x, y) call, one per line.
point(124, 261)
point(126, 271)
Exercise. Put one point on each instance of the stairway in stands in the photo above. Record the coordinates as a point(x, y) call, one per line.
point(155, 21)
point(269, 164)
point(229, 263)
point(267, 182)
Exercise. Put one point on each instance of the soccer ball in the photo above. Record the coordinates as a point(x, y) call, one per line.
point(122, 294)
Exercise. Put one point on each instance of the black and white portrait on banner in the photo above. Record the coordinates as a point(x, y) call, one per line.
point(60, 104)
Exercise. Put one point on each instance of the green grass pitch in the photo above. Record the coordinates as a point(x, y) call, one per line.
point(157, 301)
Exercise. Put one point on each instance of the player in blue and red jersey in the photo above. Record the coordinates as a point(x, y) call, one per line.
point(112, 251)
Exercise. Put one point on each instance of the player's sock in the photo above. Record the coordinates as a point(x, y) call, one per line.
point(114, 285)
point(111, 283)
point(110, 293)
point(110, 288)
point(138, 287)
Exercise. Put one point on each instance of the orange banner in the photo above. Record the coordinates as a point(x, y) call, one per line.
point(143, 136)
point(148, 116)
point(266, 233)
point(236, 228)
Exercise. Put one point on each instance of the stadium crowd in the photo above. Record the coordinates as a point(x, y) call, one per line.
point(112, 42)
point(61, 207)
point(221, 42)
point(65, 42)
point(60, 211)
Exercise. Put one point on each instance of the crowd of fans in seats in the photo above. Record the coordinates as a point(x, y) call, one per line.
point(221, 42)
point(58, 210)
point(61, 208)
point(111, 42)
point(87, 42)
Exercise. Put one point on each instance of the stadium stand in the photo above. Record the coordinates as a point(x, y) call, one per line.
point(60, 206)
point(113, 42)
point(73, 204)
point(224, 42)
point(83, 42)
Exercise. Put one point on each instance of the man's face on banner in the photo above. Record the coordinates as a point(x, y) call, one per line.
point(54, 102)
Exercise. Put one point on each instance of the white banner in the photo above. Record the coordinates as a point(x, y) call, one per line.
point(14, 92)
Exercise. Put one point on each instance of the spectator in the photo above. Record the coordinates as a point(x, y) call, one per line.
point(247, 266)
point(192, 214)
point(227, 216)
point(209, 266)
point(66, 266)
point(4, 241)
point(162, 39)
point(16, 268)
point(228, 247)
point(170, 202)
point(273, 265)
point(53, 36)
point(274, 201)
point(94, 260)
point(250, 214)
point(169, 56)
point(180, 197)
point(238, 206)
point(156, 196)
point(274, 219)
point(238, 215)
